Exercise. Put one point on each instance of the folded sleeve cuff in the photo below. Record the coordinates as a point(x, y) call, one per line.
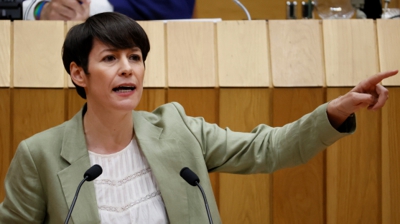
point(328, 133)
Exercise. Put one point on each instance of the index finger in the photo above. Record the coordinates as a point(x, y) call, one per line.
point(375, 79)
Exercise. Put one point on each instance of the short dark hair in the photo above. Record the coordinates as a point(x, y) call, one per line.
point(111, 28)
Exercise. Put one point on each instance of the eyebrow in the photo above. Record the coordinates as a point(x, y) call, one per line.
point(134, 49)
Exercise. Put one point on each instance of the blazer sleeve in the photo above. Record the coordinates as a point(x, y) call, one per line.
point(265, 149)
point(23, 201)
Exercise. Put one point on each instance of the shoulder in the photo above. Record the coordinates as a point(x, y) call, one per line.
point(51, 140)
point(45, 139)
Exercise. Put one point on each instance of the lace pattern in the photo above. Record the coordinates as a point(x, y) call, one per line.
point(128, 206)
point(127, 191)
point(123, 181)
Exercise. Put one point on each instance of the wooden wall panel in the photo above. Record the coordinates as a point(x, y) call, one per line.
point(6, 152)
point(5, 53)
point(191, 54)
point(74, 103)
point(151, 99)
point(296, 53)
point(390, 159)
point(37, 50)
point(156, 59)
point(351, 52)
point(243, 58)
point(389, 48)
point(298, 192)
point(35, 110)
point(199, 103)
point(354, 171)
point(245, 199)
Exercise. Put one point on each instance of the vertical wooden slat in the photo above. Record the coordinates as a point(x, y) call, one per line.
point(389, 48)
point(390, 159)
point(151, 99)
point(354, 171)
point(298, 192)
point(191, 54)
point(243, 58)
point(351, 52)
point(35, 110)
point(37, 49)
point(244, 199)
point(74, 102)
point(296, 53)
point(156, 61)
point(6, 152)
point(5, 52)
point(199, 103)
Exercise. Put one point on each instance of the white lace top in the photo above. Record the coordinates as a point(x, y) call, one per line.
point(127, 191)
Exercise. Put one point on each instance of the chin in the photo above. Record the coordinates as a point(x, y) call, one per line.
point(127, 106)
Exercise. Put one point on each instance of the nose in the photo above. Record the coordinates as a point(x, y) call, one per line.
point(126, 69)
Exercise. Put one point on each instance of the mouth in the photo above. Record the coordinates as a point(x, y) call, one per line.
point(124, 88)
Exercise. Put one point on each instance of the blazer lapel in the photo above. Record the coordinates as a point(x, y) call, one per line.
point(165, 162)
point(74, 151)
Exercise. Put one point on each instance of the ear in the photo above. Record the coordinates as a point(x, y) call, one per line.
point(78, 76)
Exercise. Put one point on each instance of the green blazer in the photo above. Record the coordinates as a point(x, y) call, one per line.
point(47, 167)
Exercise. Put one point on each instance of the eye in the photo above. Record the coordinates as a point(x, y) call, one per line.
point(135, 57)
point(109, 58)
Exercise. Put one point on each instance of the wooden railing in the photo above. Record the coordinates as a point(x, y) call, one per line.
point(239, 74)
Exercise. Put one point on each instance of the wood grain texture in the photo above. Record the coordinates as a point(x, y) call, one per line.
point(191, 54)
point(151, 99)
point(37, 49)
point(200, 103)
point(351, 52)
point(389, 48)
point(6, 152)
point(243, 58)
point(5, 53)
point(354, 171)
point(156, 59)
point(298, 192)
point(296, 53)
point(245, 198)
point(390, 158)
point(35, 110)
point(74, 103)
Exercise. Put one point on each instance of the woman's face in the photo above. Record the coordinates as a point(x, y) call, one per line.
point(115, 79)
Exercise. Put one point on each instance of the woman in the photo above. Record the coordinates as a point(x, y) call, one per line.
point(142, 153)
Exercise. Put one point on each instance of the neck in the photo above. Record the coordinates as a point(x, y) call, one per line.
point(107, 131)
